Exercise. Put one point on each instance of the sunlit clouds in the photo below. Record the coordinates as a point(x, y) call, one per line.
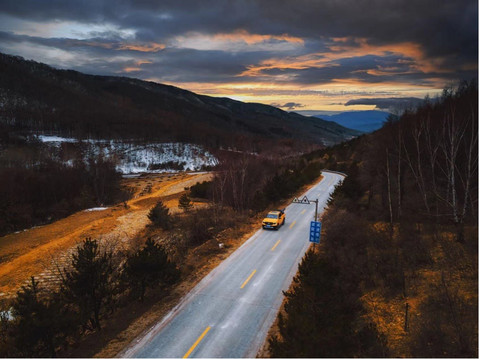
point(237, 41)
point(297, 56)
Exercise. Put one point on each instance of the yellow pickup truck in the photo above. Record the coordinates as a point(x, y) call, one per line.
point(274, 219)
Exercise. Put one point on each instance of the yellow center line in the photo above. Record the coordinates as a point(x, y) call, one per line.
point(275, 246)
point(302, 212)
point(196, 343)
point(249, 277)
point(293, 223)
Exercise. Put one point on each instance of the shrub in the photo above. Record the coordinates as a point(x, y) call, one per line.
point(185, 203)
point(201, 190)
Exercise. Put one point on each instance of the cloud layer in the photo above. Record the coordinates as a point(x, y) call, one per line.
point(282, 51)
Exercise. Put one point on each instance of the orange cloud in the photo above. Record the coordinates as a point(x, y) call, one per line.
point(137, 67)
point(141, 47)
point(250, 39)
point(407, 49)
point(131, 69)
point(342, 48)
point(151, 47)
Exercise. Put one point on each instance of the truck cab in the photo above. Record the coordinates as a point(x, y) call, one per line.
point(274, 219)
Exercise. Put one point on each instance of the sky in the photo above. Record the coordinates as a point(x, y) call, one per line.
point(298, 55)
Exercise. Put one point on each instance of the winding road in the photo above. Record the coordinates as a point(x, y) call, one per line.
point(229, 313)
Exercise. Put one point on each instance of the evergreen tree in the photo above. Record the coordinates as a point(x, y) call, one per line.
point(159, 216)
point(149, 267)
point(89, 283)
point(185, 203)
point(41, 325)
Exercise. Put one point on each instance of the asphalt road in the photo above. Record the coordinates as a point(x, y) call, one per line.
point(229, 313)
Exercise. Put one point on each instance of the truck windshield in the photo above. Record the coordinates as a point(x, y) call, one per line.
point(272, 215)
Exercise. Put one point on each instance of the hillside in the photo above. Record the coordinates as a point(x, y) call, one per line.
point(129, 156)
point(365, 121)
point(397, 266)
point(37, 97)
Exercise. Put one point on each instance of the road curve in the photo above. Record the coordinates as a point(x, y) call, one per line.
point(229, 313)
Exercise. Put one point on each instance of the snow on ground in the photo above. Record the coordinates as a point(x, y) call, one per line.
point(7, 314)
point(94, 209)
point(133, 157)
point(55, 139)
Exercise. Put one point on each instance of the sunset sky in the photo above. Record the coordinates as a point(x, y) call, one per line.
point(298, 55)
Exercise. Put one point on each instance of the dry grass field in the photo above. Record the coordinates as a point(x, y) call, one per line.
point(38, 251)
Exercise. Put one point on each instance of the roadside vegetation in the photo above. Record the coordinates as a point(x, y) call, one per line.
point(396, 274)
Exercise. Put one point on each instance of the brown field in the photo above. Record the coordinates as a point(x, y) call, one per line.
point(37, 251)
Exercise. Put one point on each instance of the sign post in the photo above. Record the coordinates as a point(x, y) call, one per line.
point(305, 200)
point(315, 230)
point(315, 226)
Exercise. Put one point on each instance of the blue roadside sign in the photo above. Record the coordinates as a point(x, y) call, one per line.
point(315, 229)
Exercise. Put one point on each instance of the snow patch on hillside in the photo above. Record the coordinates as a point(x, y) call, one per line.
point(138, 157)
point(55, 139)
point(95, 209)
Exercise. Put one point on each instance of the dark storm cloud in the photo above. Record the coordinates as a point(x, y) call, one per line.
point(357, 68)
point(388, 103)
point(149, 18)
point(445, 30)
point(289, 105)
point(170, 64)
point(188, 65)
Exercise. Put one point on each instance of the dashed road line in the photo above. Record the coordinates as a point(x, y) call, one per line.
point(192, 348)
point(249, 277)
point(275, 246)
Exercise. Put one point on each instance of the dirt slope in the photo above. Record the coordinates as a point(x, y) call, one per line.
point(37, 251)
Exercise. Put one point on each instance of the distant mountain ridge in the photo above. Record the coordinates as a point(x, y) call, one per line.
point(365, 121)
point(37, 97)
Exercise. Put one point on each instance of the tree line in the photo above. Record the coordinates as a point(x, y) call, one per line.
point(402, 230)
point(251, 183)
point(50, 190)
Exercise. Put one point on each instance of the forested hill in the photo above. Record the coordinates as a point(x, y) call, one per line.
point(37, 97)
point(397, 270)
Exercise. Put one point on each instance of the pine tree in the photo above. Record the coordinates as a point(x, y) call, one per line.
point(149, 267)
point(185, 203)
point(159, 216)
point(89, 283)
point(42, 323)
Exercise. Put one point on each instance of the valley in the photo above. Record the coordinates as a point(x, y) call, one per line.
point(133, 209)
